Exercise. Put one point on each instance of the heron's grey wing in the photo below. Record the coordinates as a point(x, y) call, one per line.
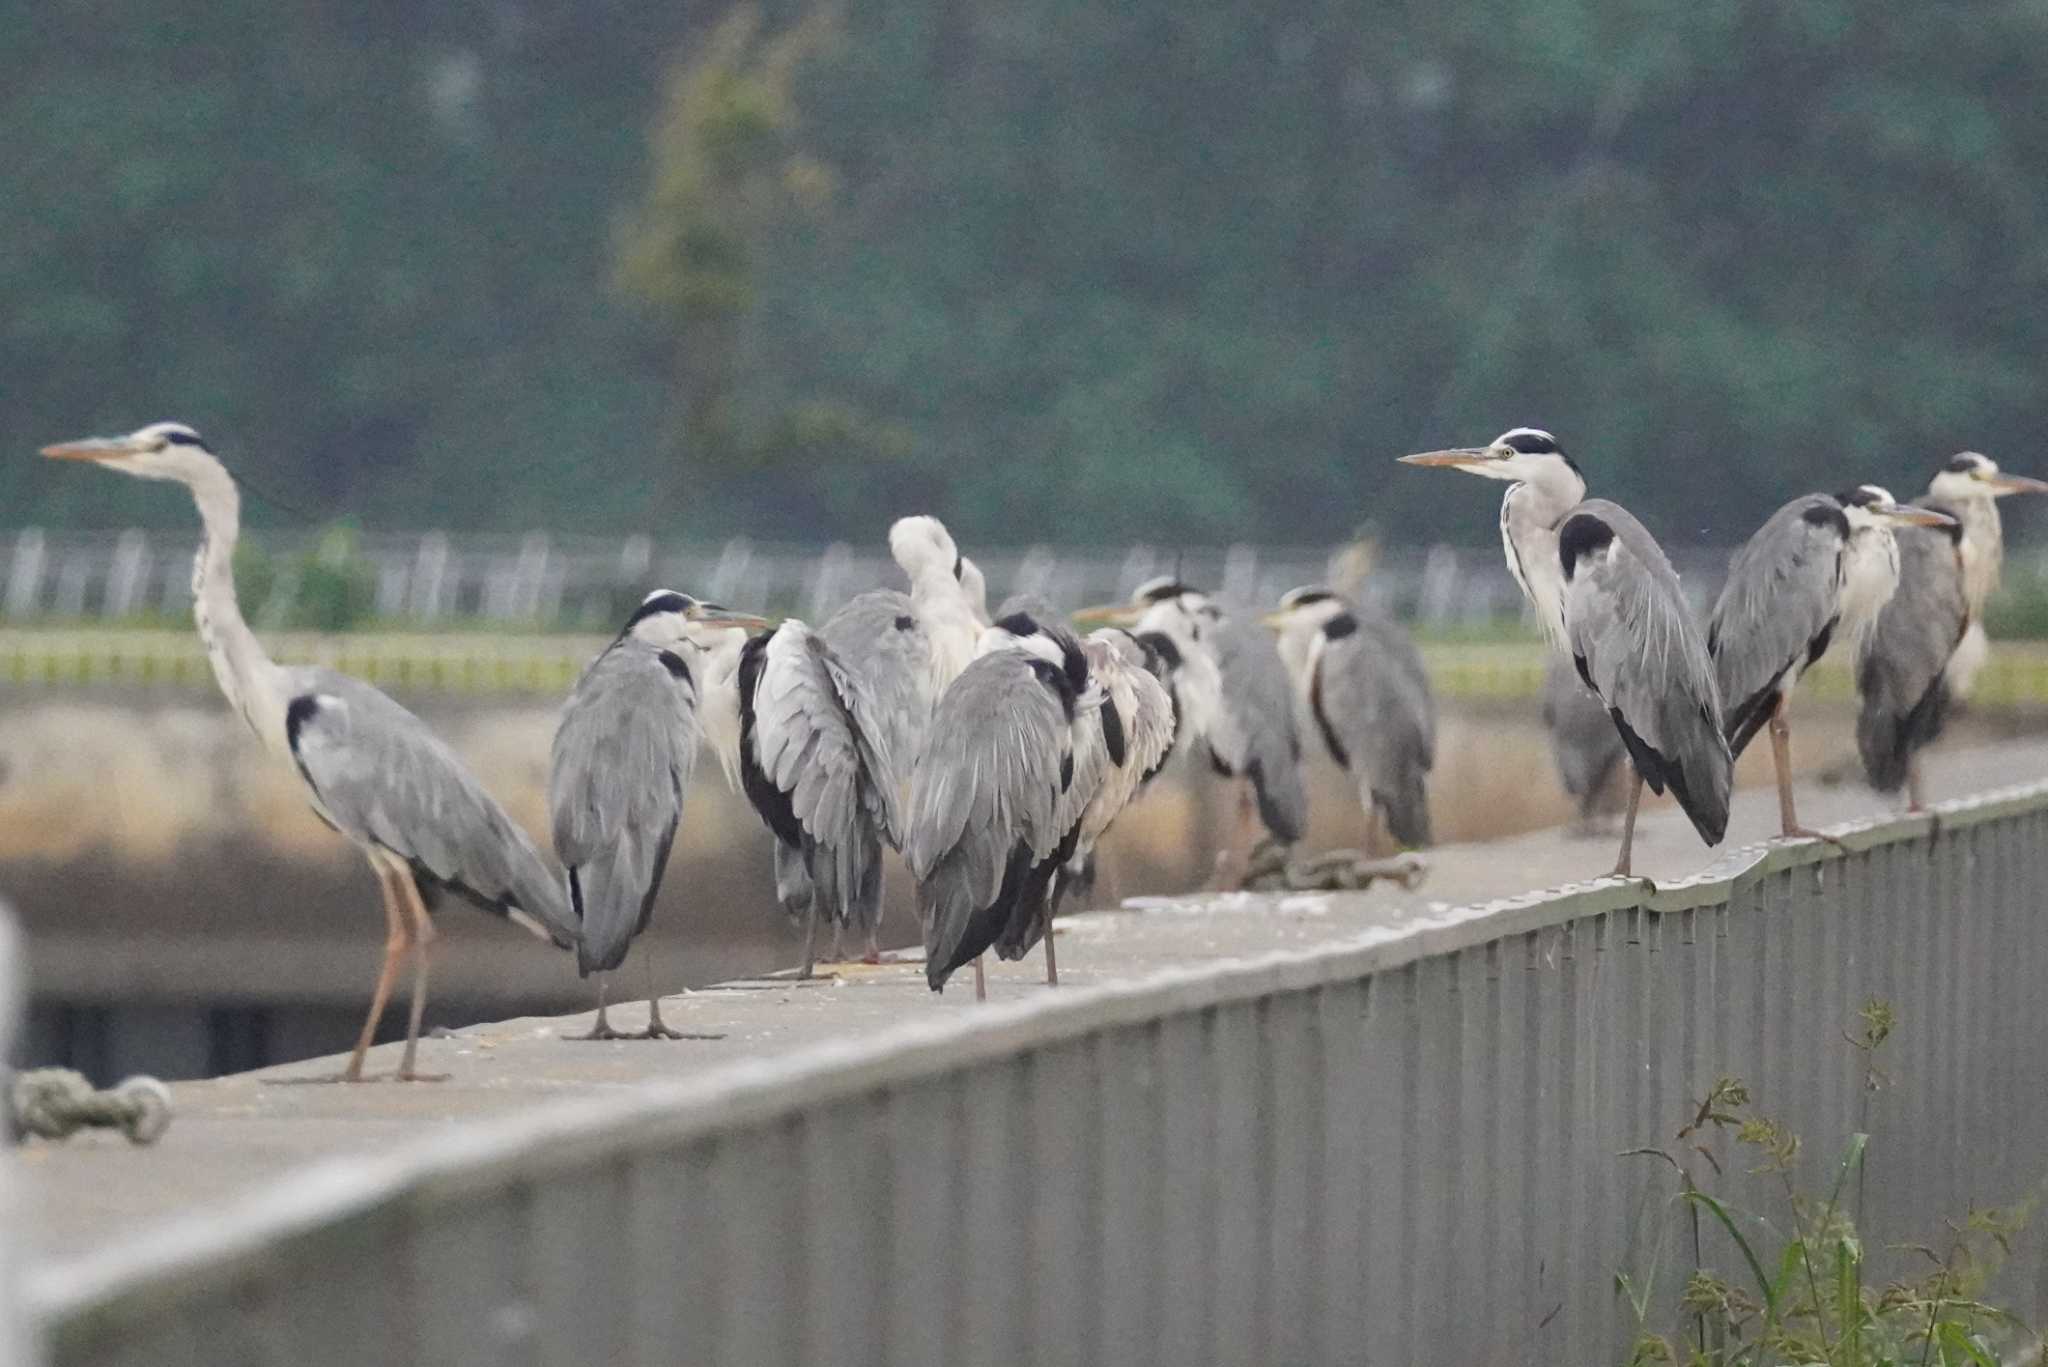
point(985, 800)
point(1901, 677)
point(809, 746)
point(1370, 714)
point(878, 637)
point(1777, 611)
point(1583, 738)
point(619, 771)
point(1629, 628)
point(383, 778)
point(1260, 741)
point(1397, 647)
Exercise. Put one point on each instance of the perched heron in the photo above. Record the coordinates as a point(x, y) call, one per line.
point(991, 817)
point(1929, 640)
point(1605, 594)
point(1364, 685)
point(372, 770)
point(1583, 742)
point(802, 735)
point(1816, 573)
point(620, 769)
point(904, 648)
point(1124, 748)
point(1231, 692)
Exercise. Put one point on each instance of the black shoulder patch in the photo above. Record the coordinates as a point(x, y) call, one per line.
point(1818, 646)
point(1340, 626)
point(1066, 770)
point(1582, 534)
point(906, 623)
point(1823, 514)
point(301, 710)
point(1056, 679)
point(1113, 733)
point(769, 802)
point(1160, 644)
point(1019, 624)
point(1077, 664)
point(675, 665)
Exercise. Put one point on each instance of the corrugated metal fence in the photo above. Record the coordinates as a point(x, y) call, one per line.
point(1405, 1148)
point(14, 1323)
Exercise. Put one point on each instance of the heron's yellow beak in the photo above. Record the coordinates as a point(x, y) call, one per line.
point(2002, 484)
point(1275, 619)
point(93, 448)
point(1108, 615)
point(726, 617)
point(1905, 515)
point(1461, 458)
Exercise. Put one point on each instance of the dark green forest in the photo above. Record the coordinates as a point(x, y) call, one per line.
point(1056, 270)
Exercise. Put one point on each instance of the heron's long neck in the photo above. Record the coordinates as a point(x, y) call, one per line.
point(718, 700)
point(949, 623)
point(1529, 518)
point(245, 673)
point(1983, 549)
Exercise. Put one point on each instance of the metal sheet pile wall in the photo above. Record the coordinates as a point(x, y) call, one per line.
point(1401, 1151)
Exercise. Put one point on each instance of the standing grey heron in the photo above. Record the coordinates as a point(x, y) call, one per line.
point(372, 770)
point(1605, 594)
point(1583, 742)
point(1364, 685)
point(804, 738)
point(1232, 692)
point(991, 819)
point(904, 648)
point(1116, 749)
point(1929, 640)
point(1816, 573)
point(619, 771)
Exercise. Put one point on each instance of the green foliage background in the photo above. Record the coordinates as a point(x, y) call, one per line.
point(1195, 271)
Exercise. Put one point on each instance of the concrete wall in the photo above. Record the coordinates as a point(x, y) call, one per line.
point(1396, 1150)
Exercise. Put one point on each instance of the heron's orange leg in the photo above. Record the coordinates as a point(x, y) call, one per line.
point(1781, 757)
point(980, 981)
point(1628, 826)
point(396, 940)
point(1052, 962)
point(423, 937)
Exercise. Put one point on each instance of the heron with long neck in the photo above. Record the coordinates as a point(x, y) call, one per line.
point(371, 769)
point(1605, 595)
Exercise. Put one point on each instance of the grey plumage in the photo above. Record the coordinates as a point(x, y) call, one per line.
point(1369, 697)
point(1635, 643)
point(1777, 611)
point(1902, 678)
point(815, 764)
point(985, 830)
point(1254, 735)
point(1583, 739)
point(382, 779)
point(877, 636)
point(620, 769)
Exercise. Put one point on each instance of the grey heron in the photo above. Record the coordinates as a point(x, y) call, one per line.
point(1233, 694)
point(904, 648)
point(1605, 594)
point(619, 771)
point(1929, 641)
point(1363, 683)
point(372, 770)
point(991, 817)
point(1115, 753)
point(802, 735)
point(1583, 742)
point(1816, 574)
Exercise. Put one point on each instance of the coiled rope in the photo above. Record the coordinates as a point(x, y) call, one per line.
point(56, 1103)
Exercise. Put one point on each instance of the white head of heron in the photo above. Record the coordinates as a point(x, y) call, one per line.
point(922, 546)
point(1307, 607)
point(162, 450)
point(1969, 475)
point(1524, 455)
point(667, 618)
point(975, 585)
point(1872, 506)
